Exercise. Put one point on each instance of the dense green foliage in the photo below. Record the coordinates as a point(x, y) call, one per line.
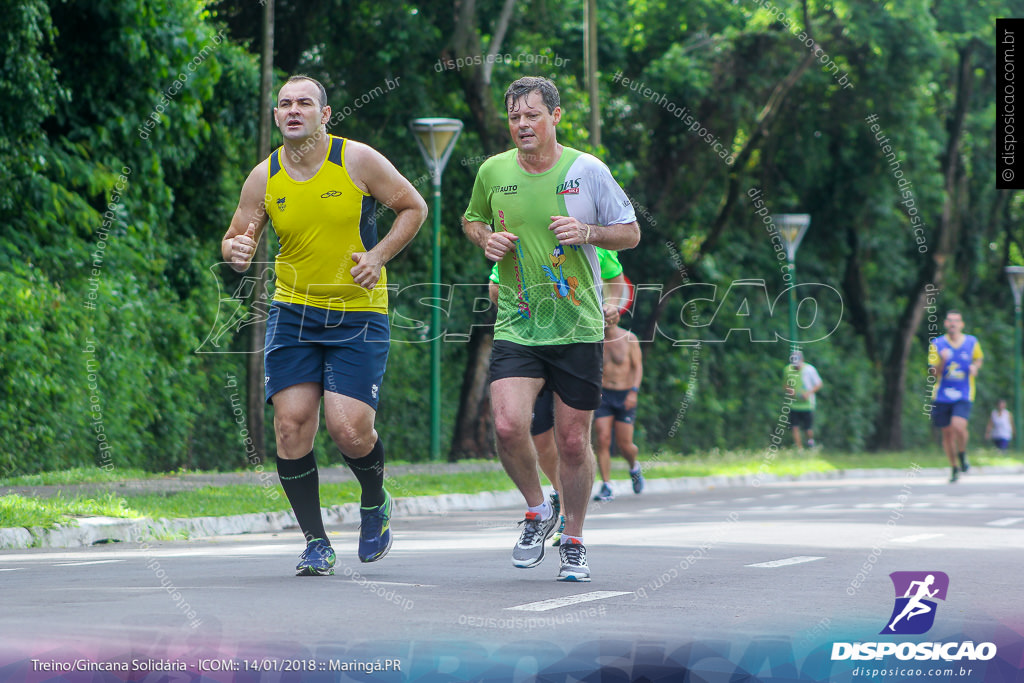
point(106, 252)
point(127, 127)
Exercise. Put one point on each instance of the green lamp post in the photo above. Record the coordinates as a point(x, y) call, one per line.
point(792, 227)
point(436, 139)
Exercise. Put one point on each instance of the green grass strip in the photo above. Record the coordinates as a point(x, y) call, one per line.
point(237, 499)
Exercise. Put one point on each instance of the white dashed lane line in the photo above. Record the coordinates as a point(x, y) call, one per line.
point(79, 564)
point(800, 559)
point(555, 603)
point(1005, 521)
point(915, 538)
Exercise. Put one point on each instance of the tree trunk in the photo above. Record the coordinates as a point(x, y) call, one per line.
point(474, 424)
point(255, 403)
point(889, 423)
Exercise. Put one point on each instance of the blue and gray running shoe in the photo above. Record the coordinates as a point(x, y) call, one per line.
point(375, 531)
point(638, 480)
point(317, 559)
point(557, 538)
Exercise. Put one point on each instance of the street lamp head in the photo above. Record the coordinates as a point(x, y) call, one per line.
point(436, 139)
point(792, 227)
point(1015, 274)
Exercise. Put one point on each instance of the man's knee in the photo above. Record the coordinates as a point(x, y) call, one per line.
point(574, 447)
point(294, 434)
point(352, 432)
point(292, 425)
point(508, 429)
point(354, 444)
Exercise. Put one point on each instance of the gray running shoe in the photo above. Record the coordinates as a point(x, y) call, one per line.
point(529, 551)
point(574, 562)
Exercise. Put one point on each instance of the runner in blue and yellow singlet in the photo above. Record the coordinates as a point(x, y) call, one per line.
point(540, 210)
point(954, 358)
point(327, 329)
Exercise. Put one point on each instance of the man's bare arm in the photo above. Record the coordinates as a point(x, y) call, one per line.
point(571, 231)
point(494, 244)
point(372, 172)
point(239, 243)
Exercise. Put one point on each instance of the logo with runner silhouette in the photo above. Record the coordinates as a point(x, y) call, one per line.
point(916, 592)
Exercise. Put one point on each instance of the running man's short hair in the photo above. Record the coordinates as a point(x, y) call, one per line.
point(318, 84)
point(528, 84)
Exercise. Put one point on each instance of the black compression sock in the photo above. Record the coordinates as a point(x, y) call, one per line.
point(300, 480)
point(369, 470)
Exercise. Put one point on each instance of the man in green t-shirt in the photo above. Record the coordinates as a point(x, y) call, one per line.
point(801, 383)
point(617, 298)
point(539, 211)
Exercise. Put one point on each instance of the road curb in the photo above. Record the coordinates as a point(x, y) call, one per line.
point(97, 530)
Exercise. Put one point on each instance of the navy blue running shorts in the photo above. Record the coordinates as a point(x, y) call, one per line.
point(943, 413)
point(613, 403)
point(345, 352)
point(543, 413)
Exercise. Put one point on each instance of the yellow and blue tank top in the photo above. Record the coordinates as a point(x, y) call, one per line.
point(320, 223)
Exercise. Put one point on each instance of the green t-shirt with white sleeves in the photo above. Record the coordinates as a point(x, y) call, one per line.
point(549, 294)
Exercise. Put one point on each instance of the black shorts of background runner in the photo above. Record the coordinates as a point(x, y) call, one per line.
point(543, 413)
point(801, 419)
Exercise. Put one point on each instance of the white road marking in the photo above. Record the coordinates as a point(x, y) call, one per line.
point(12, 569)
point(915, 538)
point(555, 603)
point(79, 564)
point(399, 583)
point(789, 560)
point(1005, 521)
point(827, 506)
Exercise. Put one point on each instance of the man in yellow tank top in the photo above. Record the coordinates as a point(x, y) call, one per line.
point(327, 330)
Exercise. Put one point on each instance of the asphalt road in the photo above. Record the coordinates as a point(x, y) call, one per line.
point(754, 578)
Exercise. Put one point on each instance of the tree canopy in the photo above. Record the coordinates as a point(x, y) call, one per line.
point(127, 127)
